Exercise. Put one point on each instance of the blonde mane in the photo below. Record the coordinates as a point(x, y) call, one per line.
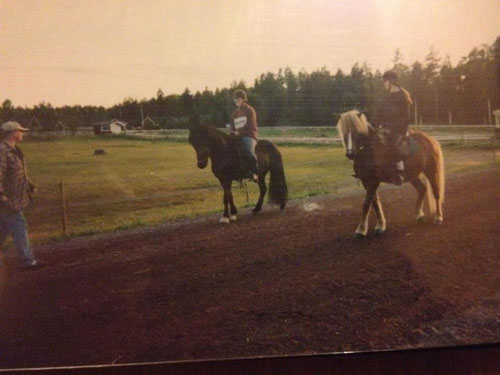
point(353, 121)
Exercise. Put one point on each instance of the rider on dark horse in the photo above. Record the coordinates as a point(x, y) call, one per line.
point(394, 115)
point(244, 125)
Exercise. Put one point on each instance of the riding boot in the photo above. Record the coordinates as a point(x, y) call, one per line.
point(399, 175)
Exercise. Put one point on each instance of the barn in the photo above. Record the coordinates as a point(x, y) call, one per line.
point(110, 127)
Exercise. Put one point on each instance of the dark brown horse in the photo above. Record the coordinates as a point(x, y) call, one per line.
point(228, 166)
point(368, 147)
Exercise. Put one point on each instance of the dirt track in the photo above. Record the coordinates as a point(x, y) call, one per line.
point(266, 285)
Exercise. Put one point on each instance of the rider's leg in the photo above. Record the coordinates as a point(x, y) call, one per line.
point(400, 169)
point(249, 144)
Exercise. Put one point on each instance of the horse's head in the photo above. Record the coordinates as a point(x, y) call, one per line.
point(200, 141)
point(353, 130)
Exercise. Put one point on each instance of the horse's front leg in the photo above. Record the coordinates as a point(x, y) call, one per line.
point(370, 194)
point(227, 193)
point(377, 207)
point(228, 204)
point(234, 211)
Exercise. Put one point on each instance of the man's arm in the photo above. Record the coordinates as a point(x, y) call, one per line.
point(3, 171)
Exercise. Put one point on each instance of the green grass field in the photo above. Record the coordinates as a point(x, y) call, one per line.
point(144, 182)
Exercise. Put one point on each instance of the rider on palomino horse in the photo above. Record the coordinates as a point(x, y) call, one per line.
point(394, 115)
point(244, 125)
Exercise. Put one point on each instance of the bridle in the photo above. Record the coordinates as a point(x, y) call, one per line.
point(351, 151)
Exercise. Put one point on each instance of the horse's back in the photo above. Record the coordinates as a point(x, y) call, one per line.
point(265, 145)
point(423, 139)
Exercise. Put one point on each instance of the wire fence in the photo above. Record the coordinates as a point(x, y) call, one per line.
point(69, 209)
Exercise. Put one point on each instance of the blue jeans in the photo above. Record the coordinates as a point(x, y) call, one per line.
point(15, 226)
point(249, 143)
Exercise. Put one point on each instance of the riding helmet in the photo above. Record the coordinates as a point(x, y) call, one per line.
point(240, 94)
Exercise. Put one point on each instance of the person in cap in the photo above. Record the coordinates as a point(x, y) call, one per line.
point(244, 125)
point(15, 193)
point(394, 115)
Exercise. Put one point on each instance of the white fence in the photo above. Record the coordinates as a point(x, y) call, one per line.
point(301, 134)
point(452, 133)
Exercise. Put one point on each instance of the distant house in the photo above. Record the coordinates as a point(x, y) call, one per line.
point(497, 118)
point(110, 127)
point(34, 124)
point(60, 126)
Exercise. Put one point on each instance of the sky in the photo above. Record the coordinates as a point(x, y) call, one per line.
point(99, 52)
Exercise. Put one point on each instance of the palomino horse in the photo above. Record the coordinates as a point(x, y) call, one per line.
point(369, 149)
point(228, 165)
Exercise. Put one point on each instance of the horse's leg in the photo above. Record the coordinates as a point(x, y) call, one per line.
point(421, 190)
point(371, 189)
point(377, 207)
point(227, 193)
point(234, 211)
point(262, 192)
point(433, 180)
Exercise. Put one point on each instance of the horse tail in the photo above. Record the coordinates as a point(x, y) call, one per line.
point(434, 169)
point(440, 171)
point(437, 170)
point(431, 203)
point(278, 190)
point(437, 180)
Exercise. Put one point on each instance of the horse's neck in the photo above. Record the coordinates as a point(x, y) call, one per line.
point(219, 147)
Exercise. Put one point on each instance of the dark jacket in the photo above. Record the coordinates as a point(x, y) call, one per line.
point(244, 120)
point(394, 113)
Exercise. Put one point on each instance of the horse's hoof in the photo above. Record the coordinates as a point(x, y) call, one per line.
point(420, 219)
point(282, 210)
point(232, 218)
point(224, 220)
point(378, 232)
point(438, 221)
point(359, 235)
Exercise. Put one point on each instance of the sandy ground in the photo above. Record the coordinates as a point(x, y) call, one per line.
point(269, 284)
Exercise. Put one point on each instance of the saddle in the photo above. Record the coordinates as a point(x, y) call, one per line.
point(405, 146)
point(399, 149)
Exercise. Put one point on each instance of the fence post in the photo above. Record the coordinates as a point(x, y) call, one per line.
point(246, 190)
point(63, 208)
point(492, 143)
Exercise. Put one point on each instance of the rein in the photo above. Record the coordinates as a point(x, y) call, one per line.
point(349, 141)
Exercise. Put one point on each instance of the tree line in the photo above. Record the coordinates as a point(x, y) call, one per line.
point(442, 93)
